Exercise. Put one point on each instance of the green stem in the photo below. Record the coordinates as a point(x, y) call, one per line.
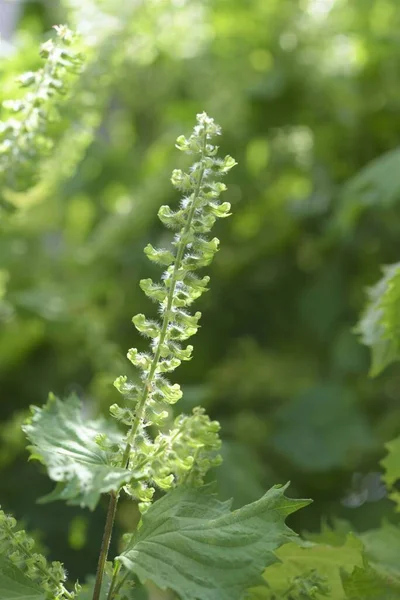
point(105, 544)
point(111, 591)
point(147, 385)
point(118, 586)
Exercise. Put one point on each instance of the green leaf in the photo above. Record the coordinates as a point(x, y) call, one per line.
point(379, 327)
point(332, 533)
point(391, 465)
point(382, 549)
point(192, 543)
point(65, 443)
point(299, 561)
point(375, 186)
point(379, 577)
point(367, 584)
point(14, 585)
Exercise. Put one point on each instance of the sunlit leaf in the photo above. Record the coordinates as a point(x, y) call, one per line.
point(367, 584)
point(377, 185)
point(192, 543)
point(379, 327)
point(65, 443)
point(298, 561)
point(391, 465)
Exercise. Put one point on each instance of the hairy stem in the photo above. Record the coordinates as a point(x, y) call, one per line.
point(105, 544)
point(147, 385)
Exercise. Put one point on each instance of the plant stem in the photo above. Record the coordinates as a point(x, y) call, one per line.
point(118, 586)
point(105, 544)
point(111, 591)
point(147, 385)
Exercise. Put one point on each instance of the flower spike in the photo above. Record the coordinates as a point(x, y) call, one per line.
point(188, 451)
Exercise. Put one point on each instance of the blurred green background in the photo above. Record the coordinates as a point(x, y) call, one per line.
point(308, 95)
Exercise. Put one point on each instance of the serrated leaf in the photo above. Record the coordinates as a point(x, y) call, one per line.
point(379, 326)
point(367, 584)
point(391, 465)
point(297, 561)
point(14, 585)
point(65, 443)
point(193, 544)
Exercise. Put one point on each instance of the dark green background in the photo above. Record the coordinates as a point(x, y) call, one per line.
point(306, 101)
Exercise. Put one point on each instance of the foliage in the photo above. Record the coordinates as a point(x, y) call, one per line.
point(193, 544)
point(90, 458)
point(378, 326)
point(381, 548)
point(367, 583)
point(68, 446)
point(391, 465)
point(300, 562)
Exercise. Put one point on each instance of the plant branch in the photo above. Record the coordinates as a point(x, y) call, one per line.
point(105, 544)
